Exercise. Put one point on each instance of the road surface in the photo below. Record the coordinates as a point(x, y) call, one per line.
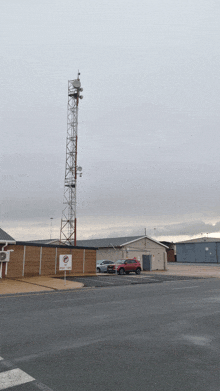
point(155, 337)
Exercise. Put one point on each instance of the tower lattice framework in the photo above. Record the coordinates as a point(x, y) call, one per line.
point(68, 220)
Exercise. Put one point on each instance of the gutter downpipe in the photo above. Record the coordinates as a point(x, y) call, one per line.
point(3, 247)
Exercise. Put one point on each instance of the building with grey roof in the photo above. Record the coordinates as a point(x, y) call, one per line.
point(198, 250)
point(200, 240)
point(151, 253)
point(108, 242)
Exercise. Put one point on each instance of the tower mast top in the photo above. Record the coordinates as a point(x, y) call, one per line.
point(68, 220)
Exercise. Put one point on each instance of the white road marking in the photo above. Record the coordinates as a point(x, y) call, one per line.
point(197, 340)
point(142, 278)
point(14, 377)
point(187, 287)
point(42, 387)
point(1, 358)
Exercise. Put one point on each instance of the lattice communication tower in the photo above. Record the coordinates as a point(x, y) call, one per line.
point(68, 220)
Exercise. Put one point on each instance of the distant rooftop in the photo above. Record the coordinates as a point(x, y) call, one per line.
point(200, 240)
point(5, 237)
point(107, 242)
point(102, 243)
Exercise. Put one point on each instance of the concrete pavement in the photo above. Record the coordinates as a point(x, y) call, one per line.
point(35, 284)
point(192, 270)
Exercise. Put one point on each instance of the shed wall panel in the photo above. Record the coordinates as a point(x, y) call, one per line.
point(207, 252)
point(185, 253)
point(200, 253)
point(218, 252)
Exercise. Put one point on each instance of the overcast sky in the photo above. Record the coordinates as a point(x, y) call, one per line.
point(149, 123)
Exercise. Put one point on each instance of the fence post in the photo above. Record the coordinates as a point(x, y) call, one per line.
point(40, 261)
point(23, 261)
point(56, 262)
point(84, 259)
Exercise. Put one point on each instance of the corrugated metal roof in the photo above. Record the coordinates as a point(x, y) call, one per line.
point(107, 242)
point(200, 240)
point(5, 236)
point(114, 242)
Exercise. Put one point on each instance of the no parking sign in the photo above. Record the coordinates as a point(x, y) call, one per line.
point(65, 262)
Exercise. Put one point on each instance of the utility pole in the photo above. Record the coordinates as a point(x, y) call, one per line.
point(68, 220)
point(51, 226)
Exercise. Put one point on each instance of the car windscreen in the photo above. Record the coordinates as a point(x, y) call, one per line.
point(120, 261)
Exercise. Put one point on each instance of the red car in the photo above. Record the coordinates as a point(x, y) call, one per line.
point(125, 266)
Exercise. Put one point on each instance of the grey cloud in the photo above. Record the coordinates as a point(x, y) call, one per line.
point(188, 228)
point(174, 231)
point(148, 124)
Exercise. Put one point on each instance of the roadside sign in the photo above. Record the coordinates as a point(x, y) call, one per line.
point(65, 262)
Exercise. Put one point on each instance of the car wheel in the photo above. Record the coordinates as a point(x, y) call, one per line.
point(98, 270)
point(121, 271)
point(138, 271)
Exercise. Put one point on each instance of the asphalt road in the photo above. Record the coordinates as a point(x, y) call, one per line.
point(154, 337)
point(104, 279)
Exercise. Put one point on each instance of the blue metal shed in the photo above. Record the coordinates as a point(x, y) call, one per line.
point(202, 250)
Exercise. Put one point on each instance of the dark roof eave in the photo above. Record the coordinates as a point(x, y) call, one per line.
point(21, 243)
point(106, 247)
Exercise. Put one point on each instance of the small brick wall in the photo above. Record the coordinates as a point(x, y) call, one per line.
point(171, 256)
point(44, 260)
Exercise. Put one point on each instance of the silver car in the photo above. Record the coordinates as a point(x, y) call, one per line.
point(101, 266)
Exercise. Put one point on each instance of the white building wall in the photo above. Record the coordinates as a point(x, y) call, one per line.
point(109, 253)
point(136, 249)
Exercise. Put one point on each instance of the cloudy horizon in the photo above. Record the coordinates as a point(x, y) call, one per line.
point(148, 124)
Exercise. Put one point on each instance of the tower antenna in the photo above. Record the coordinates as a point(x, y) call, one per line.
point(68, 220)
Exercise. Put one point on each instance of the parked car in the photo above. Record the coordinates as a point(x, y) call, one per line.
point(125, 266)
point(101, 266)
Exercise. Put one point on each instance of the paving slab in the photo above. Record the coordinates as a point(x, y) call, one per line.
point(12, 286)
point(53, 283)
point(35, 284)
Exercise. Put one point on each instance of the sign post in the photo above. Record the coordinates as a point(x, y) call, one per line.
point(65, 263)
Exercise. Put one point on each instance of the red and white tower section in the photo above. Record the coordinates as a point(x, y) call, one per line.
point(68, 220)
